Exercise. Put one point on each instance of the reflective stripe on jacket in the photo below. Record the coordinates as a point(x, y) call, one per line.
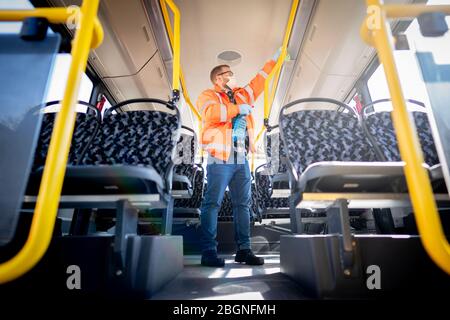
point(217, 112)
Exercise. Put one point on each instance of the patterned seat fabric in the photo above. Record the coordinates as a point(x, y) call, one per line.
point(85, 128)
point(380, 127)
point(141, 138)
point(185, 155)
point(275, 153)
point(195, 201)
point(226, 208)
point(263, 193)
point(255, 207)
point(323, 135)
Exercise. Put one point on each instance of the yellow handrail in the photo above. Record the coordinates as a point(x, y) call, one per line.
point(54, 15)
point(276, 71)
point(172, 43)
point(412, 10)
point(376, 32)
point(55, 165)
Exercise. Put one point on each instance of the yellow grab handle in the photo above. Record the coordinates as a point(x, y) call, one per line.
point(55, 165)
point(277, 69)
point(55, 15)
point(377, 33)
point(174, 39)
point(172, 42)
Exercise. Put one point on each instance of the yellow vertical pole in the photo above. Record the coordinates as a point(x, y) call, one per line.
point(175, 45)
point(376, 30)
point(50, 189)
point(269, 95)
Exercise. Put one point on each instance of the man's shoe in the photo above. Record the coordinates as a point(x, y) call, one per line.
point(248, 257)
point(210, 259)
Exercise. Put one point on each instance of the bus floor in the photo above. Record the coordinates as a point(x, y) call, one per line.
point(233, 282)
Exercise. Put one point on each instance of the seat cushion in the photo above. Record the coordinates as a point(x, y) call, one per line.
point(336, 176)
point(98, 180)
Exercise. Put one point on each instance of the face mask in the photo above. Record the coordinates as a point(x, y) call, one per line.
point(231, 83)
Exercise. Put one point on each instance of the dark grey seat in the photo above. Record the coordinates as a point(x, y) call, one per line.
point(143, 138)
point(26, 65)
point(380, 130)
point(130, 158)
point(185, 169)
point(329, 154)
point(264, 183)
point(276, 163)
point(188, 179)
point(272, 179)
point(87, 123)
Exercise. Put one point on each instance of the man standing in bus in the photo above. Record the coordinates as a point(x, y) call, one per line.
point(228, 135)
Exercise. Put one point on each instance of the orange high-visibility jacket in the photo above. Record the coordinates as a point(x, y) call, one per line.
point(217, 112)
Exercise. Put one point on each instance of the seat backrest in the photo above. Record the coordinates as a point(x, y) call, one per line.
point(25, 73)
point(86, 127)
point(275, 153)
point(185, 153)
point(140, 138)
point(263, 190)
point(322, 135)
point(195, 201)
point(263, 187)
point(380, 129)
point(226, 207)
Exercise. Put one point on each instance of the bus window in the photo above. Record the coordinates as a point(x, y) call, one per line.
point(13, 27)
point(62, 63)
point(408, 69)
point(59, 79)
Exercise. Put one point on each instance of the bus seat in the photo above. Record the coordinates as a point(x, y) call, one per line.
point(25, 67)
point(380, 130)
point(130, 158)
point(380, 127)
point(226, 207)
point(190, 207)
point(270, 206)
point(276, 155)
point(272, 178)
point(323, 135)
point(256, 213)
point(185, 169)
point(86, 127)
point(188, 195)
point(142, 138)
point(328, 152)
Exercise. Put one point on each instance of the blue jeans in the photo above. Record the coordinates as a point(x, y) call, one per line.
point(237, 177)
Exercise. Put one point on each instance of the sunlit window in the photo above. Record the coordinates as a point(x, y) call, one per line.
point(13, 27)
point(62, 63)
point(408, 68)
point(59, 79)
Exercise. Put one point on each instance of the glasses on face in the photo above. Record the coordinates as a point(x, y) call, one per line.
point(228, 73)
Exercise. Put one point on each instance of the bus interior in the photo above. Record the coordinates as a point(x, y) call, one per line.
point(103, 172)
